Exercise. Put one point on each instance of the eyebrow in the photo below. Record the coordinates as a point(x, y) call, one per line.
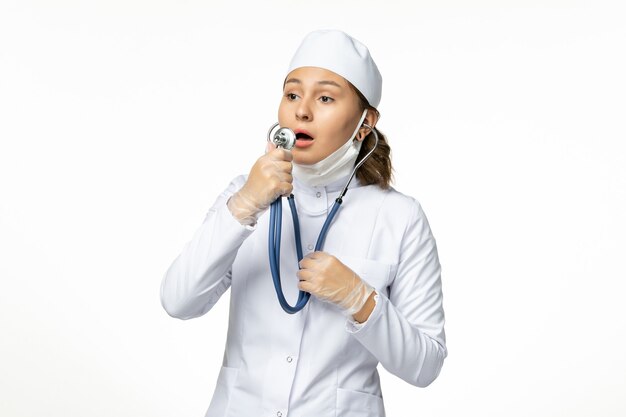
point(324, 82)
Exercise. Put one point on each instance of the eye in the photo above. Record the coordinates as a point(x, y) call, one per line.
point(291, 96)
point(326, 99)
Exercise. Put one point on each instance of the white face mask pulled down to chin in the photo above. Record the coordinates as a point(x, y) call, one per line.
point(337, 165)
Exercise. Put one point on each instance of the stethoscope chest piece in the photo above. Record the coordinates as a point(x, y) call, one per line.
point(283, 137)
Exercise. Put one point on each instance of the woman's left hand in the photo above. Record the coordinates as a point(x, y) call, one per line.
point(325, 277)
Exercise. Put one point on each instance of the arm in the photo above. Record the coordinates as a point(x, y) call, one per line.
point(202, 271)
point(367, 309)
point(405, 331)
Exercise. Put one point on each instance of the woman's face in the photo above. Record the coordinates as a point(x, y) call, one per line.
point(322, 109)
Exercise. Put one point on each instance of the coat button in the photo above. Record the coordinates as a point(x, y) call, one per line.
point(318, 194)
point(310, 247)
point(279, 414)
point(289, 359)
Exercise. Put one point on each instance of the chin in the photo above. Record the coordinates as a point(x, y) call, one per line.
point(304, 159)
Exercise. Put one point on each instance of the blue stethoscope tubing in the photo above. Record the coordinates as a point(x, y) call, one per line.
point(276, 213)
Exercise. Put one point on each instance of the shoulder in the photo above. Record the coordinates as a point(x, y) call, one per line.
point(397, 204)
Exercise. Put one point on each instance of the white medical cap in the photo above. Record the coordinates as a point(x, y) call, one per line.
point(340, 53)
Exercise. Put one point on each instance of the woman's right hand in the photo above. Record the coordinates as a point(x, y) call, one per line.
point(269, 178)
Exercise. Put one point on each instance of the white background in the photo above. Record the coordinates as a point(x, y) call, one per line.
point(121, 121)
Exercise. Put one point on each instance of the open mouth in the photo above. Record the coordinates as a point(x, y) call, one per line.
point(303, 139)
point(303, 136)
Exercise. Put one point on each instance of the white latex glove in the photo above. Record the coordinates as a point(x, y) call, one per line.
point(269, 178)
point(325, 277)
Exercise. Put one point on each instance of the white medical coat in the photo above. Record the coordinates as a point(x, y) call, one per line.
point(317, 362)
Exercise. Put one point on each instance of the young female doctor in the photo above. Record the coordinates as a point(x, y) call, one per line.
point(375, 287)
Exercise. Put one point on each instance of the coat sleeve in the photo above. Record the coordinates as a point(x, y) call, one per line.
point(201, 273)
point(405, 331)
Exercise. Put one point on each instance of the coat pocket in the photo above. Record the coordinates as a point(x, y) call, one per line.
point(223, 391)
point(375, 273)
point(358, 404)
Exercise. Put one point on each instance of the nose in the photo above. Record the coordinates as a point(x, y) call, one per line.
point(303, 112)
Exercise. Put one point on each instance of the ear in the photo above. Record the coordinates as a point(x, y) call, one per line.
point(371, 118)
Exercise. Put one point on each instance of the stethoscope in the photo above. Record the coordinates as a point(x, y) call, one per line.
point(286, 138)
